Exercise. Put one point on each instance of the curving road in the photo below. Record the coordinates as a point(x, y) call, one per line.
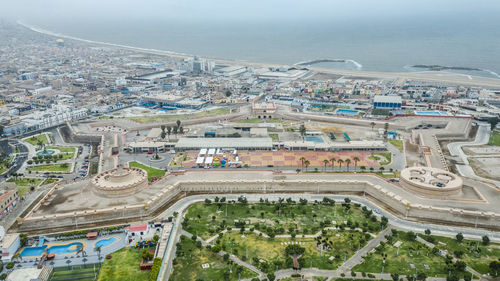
point(182, 205)
point(455, 148)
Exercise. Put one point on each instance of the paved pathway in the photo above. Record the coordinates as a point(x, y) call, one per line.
point(455, 148)
point(358, 256)
point(231, 256)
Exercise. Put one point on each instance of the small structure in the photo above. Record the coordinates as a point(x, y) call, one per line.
point(92, 235)
point(120, 181)
point(431, 182)
point(137, 230)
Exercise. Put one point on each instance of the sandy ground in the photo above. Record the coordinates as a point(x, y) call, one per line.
point(486, 167)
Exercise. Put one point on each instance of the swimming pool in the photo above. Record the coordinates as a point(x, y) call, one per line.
point(316, 139)
point(58, 249)
point(32, 251)
point(432, 113)
point(65, 249)
point(347, 111)
point(105, 242)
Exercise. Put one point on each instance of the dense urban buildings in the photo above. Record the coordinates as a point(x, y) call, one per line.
point(117, 159)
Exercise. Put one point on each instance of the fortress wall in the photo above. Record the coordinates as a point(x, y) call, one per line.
point(170, 194)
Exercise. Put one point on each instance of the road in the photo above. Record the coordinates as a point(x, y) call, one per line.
point(455, 148)
point(19, 158)
point(397, 223)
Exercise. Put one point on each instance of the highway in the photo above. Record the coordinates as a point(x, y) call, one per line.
point(397, 223)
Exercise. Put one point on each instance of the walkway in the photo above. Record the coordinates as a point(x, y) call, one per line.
point(358, 256)
point(455, 148)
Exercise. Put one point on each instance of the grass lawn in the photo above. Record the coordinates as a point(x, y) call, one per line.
point(61, 167)
point(24, 184)
point(33, 140)
point(4, 166)
point(495, 138)
point(397, 143)
point(264, 252)
point(178, 159)
point(25, 181)
point(208, 220)
point(274, 137)
point(66, 152)
point(386, 155)
point(187, 264)
point(163, 118)
point(475, 254)
point(82, 273)
point(410, 252)
point(124, 265)
point(152, 172)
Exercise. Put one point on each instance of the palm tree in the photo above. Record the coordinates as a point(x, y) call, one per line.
point(340, 161)
point(307, 163)
point(84, 261)
point(98, 250)
point(68, 262)
point(302, 159)
point(372, 124)
point(326, 163)
point(332, 160)
point(356, 159)
point(347, 162)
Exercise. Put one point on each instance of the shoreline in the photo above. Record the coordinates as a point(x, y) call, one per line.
point(429, 76)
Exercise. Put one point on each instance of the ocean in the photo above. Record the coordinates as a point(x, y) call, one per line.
point(392, 46)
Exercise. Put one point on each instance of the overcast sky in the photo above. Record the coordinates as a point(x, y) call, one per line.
point(246, 10)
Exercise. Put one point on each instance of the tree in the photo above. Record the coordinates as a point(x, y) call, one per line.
point(181, 130)
point(421, 276)
point(178, 122)
point(302, 130)
point(411, 236)
point(84, 262)
point(427, 232)
point(348, 162)
point(486, 240)
point(372, 124)
point(340, 161)
point(332, 160)
point(307, 163)
point(460, 237)
point(495, 268)
point(169, 130)
point(493, 122)
point(228, 93)
point(394, 276)
point(326, 163)
point(356, 159)
point(302, 160)
point(3, 276)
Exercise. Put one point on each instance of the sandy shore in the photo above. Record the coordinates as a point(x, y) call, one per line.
point(431, 76)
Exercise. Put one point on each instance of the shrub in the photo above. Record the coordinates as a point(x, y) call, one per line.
point(155, 269)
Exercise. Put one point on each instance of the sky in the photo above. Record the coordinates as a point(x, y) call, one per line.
point(245, 10)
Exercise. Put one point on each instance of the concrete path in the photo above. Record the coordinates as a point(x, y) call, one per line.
point(358, 256)
point(455, 148)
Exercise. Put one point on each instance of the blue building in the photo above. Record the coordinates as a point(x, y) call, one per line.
point(387, 102)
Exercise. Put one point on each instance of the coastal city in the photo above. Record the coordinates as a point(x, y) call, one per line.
point(122, 163)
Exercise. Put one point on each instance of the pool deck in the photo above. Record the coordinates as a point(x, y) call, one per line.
point(77, 259)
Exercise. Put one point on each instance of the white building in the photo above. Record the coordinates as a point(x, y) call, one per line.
point(9, 244)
